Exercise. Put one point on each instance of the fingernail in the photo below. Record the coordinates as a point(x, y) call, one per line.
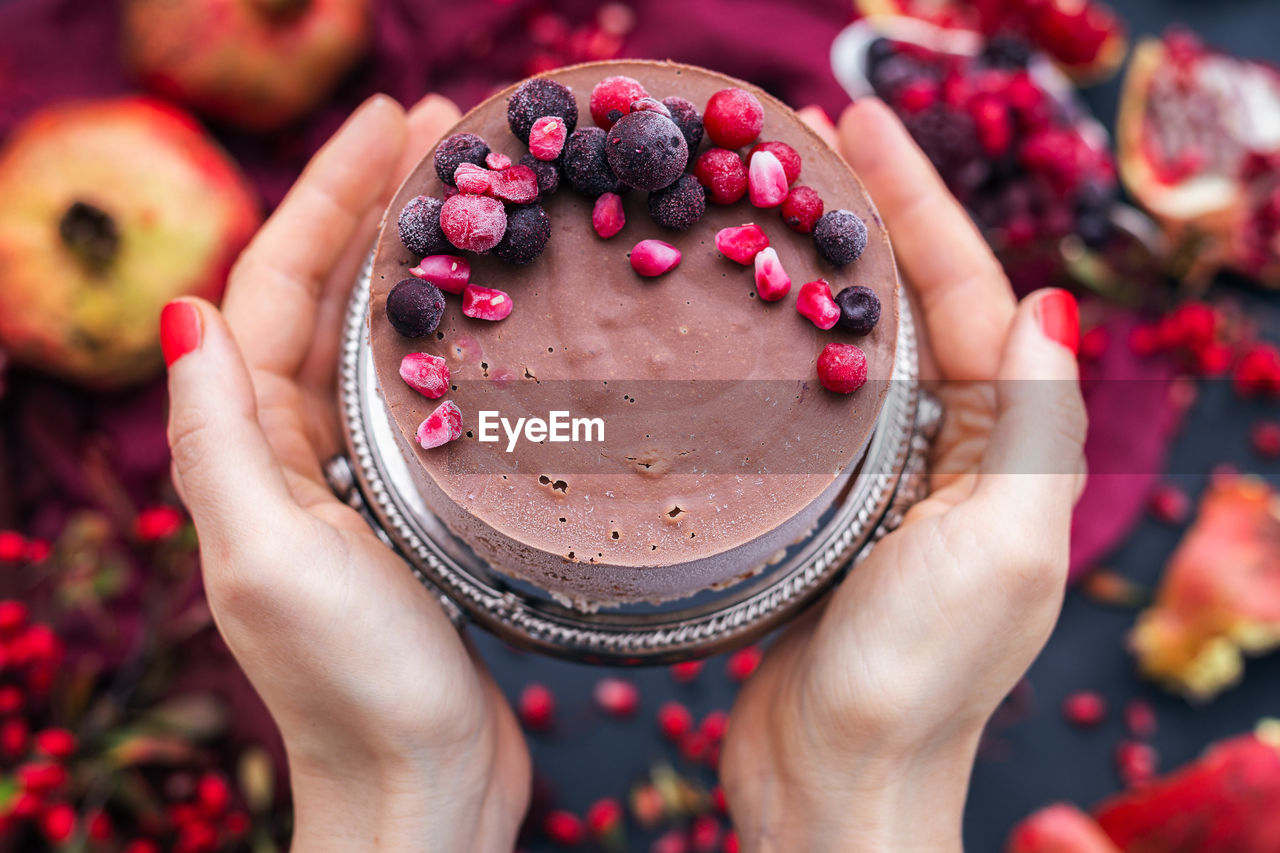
point(1060, 319)
point(179, 330)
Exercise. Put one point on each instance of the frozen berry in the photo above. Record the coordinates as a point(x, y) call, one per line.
point(585, 164)
point(547, 173)
point(473, 222)
point(608, 217)
point(733, 118)
point(428, 374)
point(518, 185)
point(450, 273)
point(741, 243)
point(612, 98)
point(723, 173)
point(842, 368)
point(689, 120)
point(485, 303)
point(456, 150)
point(497, 161)
point(766, 180)
point(815, 302)
point(786, 155)
point(654, 257)
point(472, 179)
point(840, 237)
point(420, 227)
point(528, 230)
point(802, 209)
point(414, 307)
point(441, 426)
point(617, 696)
point(859, 309)
point(537, 98)
point(1084, 709)
point(680, 205)
point(650, 105)
point(646, 150)
point(547, 136)
point(537, 707)
point(675, 721)
point(772, 281)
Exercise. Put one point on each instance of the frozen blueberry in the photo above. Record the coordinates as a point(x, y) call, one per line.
point(585, 164)
point(537, 98)
point(859, 309)
point(680, 205)
point(646, 150)
point(420, 227)
point(840, 236)
point(547, 172)
point(689, 120)
point(456, 150)
point(528, 230)
point(414, 307)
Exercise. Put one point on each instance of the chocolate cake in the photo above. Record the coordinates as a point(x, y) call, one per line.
point(721, 445)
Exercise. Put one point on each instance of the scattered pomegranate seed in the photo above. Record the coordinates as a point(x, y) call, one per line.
point(695, 746)
point(743, 662)
point(425, 373)
point(1084, 709)
point(675, 721)
point(98, 826)
point(617, 696)
point(564, 828)
point(608, 217)
point(1265, 438)
point(58, 823)
point(213, 794)
point(704, 834)
point(787, 156)
point(518, 185)
point(485, 303)
point(157, 523)
point(25, 806)
point(1094, 343)
point(772, 281)
point(1140, 719)
point(842, 368)
point(718, 801)
point(450, 273)
point(11, 699)
point(766, 180)
point(604, 818)
point(741, 243)
point(1169, 504)
point(731, 844)
point(733, 118)
point(671, 841)
point(1136, 763)
point(1257, 373)
point(647, 805)
point(41, 777)
point(723, 174)
point(653, 258)
point(612, 98)
point(58, 744)
point(547, 136)
point(13, 546)
point(497, 162)
point(13, 617)
point(714, 725)
point(816, 303)
point(686, 672)
point(537, 707)
point(472, 179)
point(474, 222)
point(801, 209)
point(441, 426)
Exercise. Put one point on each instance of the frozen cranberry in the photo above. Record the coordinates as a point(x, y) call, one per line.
point(842, 368)
point(518, 185)
point(723, 174)
point(496, 161)
point(741, 243)
point(733, 118)
point(786, 155)
point(450, 273)
point(802, 209)
point(425, 373)
point(547, 137)
point(485, 303)
point(474, 222)
point(766, 180)
point(612, 98)
point(441, 426)
point(653, 257)
point(608, 217)
point(472, 179)
point(816, 303)
point(772, 281)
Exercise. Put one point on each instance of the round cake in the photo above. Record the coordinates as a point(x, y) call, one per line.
point(708, 414)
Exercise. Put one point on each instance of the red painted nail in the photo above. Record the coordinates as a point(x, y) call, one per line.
point(1060, 319)
point(179, 330)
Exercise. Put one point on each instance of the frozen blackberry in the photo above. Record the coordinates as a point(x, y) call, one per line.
point(646, 150)
point(859, 309)
point(456, 150)
point(537, 98)
point(547, 173)
point(689, 120)
point(420, 227)
point(528, 230)
point(680, 205)
point(414, 307)
point(585, 164)
point(840, 236)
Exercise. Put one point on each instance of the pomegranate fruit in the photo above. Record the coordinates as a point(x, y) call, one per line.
point(1198, 144)
point(257, 64)
point(109, 209)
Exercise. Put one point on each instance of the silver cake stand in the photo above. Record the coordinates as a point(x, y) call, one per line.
point(374, 478)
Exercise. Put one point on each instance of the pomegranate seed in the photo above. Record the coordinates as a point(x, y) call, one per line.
point(766, 180)
point(485, 303)
point(450, 273)
point(1084, 709)
point(425, 373)
point(1257, 373)
point(13, 738)
point(743, 662)
point(141, 845)
point(213, 794)
point(612, 98)
point(472, 179)
point(787, 156)
point(41, 777)
point(13, 546)
point(733, 118)
point(1169, 504)
point(1214, 359)
point(1136, 763)
point(730, 843)
point(718, 801)
point(741, 243)
point(604, 818)
point(1265, 437)
point(518, 185)
point(474, 222)
point(58, 823)
point(441, 426)
point(695, 746)
point(617, 697)
point(537, 707)
point(714, 725)
point(1144, 340)
point(654, 257)
point(13, 617)
point(995, 130)
point(11, 699)
point(816, 303)
point(1094, 343)
point(547, 136)
point(801, 209)
point(58, 744)
point(671, 841)
point(704, 834)
point(687, 671)
point(98, 826)
point(25, 806)
point(157, 523)
point(497, 162)
point(772, 281)
point(1140, 719)
point(675, 721)
point(842, 368)
point(723, 174)
point(608, 217)
point(564, 828)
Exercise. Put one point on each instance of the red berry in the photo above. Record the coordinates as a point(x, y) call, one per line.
point(497, 161)
point(733, 118)
point(25, 806)
point(617, 696)
point(38, 550)
point(1140, 719)
point(11, 699)
point(608, 217)
point(816, 302)
point(995, 130)
point(157, 523)
point(1094, 343)
point(141, 845)
point(1136, 762)
point(564, 828)
point(787, 156)
point(714, 725)
point(918, 95)
point(547, 136)
point(1144, 340)
point(686, 671)
point(450, 273)
point(741, 243)
point(1169, 504)
point(1265, 437)
point(743, 662)
point(654, 257)
point(766, 180)
point(13, 546)
point(842, 368)
point(485, 303)
point(801, 209)
point(695, 746)
point(518, 185)
point(671, 841)
point(41, 777)
point(1084, 709)
point(1257, 373)
point(772, 281)
point(604, 818)
point(675, 721)
point(441, 426)
point(213, 794)
point(474, 222)
point(425, 373)
point(58, 823)
point(718, 801)
point(612, 98)
point(13, 617)
point(58, 744)
point(537, 707)
point(704, 834)
point(473, 179)
point(730, 843)
point(99, 827)
point(723, 174)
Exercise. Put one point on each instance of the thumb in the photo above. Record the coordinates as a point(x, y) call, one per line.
point(224, 467)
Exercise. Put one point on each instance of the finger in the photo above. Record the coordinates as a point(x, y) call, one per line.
point(820, 123)
point(428, 120)
point(275, 288)
point(966, 298)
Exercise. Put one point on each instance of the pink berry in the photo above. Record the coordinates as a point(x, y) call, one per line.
point(654, 257)
point(564, 828)
point(537, 707)
point(743, 663)
point(802, 209)
point(473, 222)
point(612, 98)
point(714, 725)
point(497, 161)
point(447, 272)
point(650, 105)
point(733, 118)
point(472, 179)
point(686, 672)
point(441, 426)
point(741, 243)
point(816, 303)
point(766, 180)
point(608, 217)
point(485, 303)
point(1265, 438)
point(604, 818)
point(1169, 504)
point(547, 136)
point(617, 696)
point(1136, 762)
point(1140, 718)
point(787, 156)
point(772, 281)
point(428, 374)
point(723, 174)
point(518, 185)
point(675, 721)
point(1084, 709)
point(842, 368)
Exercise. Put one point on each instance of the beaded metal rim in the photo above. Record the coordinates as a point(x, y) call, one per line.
point(892, 479)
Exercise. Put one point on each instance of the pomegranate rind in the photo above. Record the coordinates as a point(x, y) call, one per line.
point(1059, 828)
